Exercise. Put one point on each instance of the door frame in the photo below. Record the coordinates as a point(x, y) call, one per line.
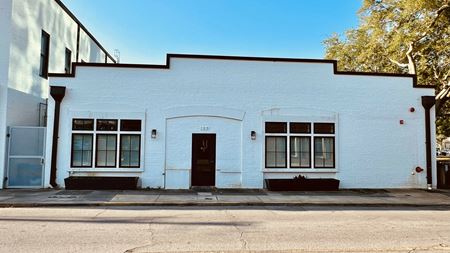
point(215, 157)
point(9, 156)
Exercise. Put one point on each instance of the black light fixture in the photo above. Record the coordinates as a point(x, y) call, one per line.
point(153, 133)
point(253, 135)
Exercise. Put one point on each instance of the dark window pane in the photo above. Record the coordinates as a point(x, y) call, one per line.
point(106, 125)
point(276, 152)
point(324, 152)
point(130, 125)
point(300, 128)
point(83, 124)
point(276, 127)
point(45, 48)
point(81, 150)
point(130, 149)
point(77, 157)
point(300, 152)
point(68, 61)
point(324, 128)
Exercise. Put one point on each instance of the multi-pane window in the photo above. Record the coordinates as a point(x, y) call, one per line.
point(324, 145)
point(81, 150)
point(299, 141)
point(300, 151)
point(276, 151)
point(276, 144)
point(68, 61)
point(107, 148)
point(45, 51)
point(130, 150)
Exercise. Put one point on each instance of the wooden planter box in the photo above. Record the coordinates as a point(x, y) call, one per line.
point(313, 184)
point(101, 183)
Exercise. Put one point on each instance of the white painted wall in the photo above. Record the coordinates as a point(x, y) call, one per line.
point(89, 50)
point(21, 87)
point(5, 30)
point(373, 149)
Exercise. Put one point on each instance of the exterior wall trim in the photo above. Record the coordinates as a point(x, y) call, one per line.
point(239, 58)
point(211, 111)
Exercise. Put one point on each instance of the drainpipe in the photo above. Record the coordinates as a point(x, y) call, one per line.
point(57, 93)
point(428, 103)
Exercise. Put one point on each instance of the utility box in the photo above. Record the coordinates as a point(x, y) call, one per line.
point(443, 173)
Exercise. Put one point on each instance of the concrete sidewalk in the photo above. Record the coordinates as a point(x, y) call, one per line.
point(360, 197)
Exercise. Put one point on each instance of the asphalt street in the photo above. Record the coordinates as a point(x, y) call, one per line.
point(225, 229)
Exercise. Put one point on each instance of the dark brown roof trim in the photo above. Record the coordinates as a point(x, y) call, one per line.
point(237, 58)
point(84, 29)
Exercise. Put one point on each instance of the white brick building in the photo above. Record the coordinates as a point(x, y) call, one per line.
point(37, 37)
point(231, 122)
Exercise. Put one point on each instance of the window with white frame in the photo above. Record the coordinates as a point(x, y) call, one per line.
point(112, 143)
point(295, 145)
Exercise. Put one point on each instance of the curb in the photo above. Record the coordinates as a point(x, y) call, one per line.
point(205, 204)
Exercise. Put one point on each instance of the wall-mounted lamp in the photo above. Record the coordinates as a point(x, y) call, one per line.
point(253, 135)
point(153, 133)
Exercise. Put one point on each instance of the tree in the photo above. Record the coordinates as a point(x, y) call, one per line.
point(401, 36)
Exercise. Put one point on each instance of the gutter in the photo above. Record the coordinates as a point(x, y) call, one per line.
point(427, 103)
point(57, 93)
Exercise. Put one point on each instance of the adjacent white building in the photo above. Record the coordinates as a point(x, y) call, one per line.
point(37, 37)
point(231, 122)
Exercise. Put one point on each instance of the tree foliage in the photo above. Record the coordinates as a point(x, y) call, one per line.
point(401, 36)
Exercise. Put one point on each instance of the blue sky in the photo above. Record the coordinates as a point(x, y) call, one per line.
point(146, 30)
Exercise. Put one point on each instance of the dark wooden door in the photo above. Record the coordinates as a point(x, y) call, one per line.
point(203, 159)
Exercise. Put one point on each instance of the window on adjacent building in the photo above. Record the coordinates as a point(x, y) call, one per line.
point(106, 150)
point(45, 51)
point(81, 150)
point(130, 150)
point(68, 61)
point(297, 143)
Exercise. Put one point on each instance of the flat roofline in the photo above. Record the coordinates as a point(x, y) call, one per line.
point(64, 7)
point(237, 58)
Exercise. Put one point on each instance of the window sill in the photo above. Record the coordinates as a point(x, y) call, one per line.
point(118, 170)
point(300, 170)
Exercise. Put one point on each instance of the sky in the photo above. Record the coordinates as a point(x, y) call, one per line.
point(144, 31)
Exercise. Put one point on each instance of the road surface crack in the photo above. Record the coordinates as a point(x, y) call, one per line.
point(152, 237)
point(244, 243)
